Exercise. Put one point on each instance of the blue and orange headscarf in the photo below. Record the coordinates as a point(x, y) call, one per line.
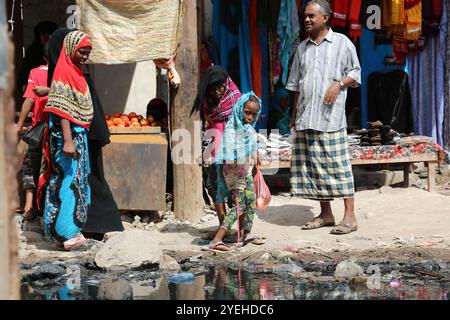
point(69, 95)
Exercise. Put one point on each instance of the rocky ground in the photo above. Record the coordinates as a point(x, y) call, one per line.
point(401, 230)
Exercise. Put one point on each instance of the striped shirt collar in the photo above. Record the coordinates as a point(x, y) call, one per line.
point(328, 37)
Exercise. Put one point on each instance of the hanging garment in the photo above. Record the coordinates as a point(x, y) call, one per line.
point(232, 40)
point(389, 100)
point(355, 27)
point(386, 15)
point(427, 70)
point(399, 42)
point(340, 13)
point(413, 19)
point(265, 78)
point(267, 12)
point(432, 12)
point(445, 41)
point(287, 33)
point(256, 64)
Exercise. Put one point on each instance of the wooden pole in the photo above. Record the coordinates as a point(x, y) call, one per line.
point(187, 175)
point(9, 274)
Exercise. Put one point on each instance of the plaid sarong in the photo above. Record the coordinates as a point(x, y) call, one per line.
point(321, 168)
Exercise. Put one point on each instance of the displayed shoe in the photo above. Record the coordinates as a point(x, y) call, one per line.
point(385, 129)
point(361, 132)
point(375, 124)
point(374, 132)
point(375, 139)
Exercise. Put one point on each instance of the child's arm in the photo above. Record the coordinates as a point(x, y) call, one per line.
point(41, 91)
point(69, 147)
point(26, 108)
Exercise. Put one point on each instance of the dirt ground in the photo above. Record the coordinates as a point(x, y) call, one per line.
point(388, 219)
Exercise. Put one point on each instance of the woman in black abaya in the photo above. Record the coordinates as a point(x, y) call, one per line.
point(103, 215)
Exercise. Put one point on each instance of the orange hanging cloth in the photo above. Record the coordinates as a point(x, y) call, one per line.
point(399, 42)
point(386, 15)
point(355, 28)
point(398, 12)
point(340, 9)
point(413, 21)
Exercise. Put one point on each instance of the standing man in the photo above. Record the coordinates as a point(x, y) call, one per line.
point(324, 66)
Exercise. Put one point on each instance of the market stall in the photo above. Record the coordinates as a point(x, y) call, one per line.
point(135, 168)
point(136, 161)
point(407, 151)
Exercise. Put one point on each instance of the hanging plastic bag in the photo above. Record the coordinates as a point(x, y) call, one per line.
point(262, 191)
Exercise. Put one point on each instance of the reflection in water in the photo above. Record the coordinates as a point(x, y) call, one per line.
point(220, 283)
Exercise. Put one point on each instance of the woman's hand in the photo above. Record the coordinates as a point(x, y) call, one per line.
point(69, 149)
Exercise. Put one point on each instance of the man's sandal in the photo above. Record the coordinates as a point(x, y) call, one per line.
point(257, 240)
point(317, 223)
point(344, 228)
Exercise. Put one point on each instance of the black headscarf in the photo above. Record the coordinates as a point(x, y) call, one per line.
point(54, 49)
point(34, 55)
point(213, 76)
point(98, 131)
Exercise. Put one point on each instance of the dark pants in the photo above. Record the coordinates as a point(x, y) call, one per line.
point(31, 167)
point(211, 181)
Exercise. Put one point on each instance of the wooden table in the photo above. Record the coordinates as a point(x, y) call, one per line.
point(429, 158)
point(135, 167)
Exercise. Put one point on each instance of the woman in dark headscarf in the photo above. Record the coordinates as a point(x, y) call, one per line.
point(215, 99)
point(34, 55)
point(103, 215)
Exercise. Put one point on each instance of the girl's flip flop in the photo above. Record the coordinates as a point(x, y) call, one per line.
point(214, 247)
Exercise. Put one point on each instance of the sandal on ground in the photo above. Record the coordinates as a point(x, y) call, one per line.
point(29, 215)
point(77, 241)
point(317, 223)
point(257, 240)
point(215, 247)
point(344, 228)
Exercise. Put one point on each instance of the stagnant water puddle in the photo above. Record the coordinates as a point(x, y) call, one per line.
point(221, 283)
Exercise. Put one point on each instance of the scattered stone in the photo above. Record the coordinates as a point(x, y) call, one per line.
point(196, 259)
point(137, 219)
point(110, 235)
point(32, 236)
point(167, 263)
point(126, 218)
point(151, 224)
point(359, 281)
point(284, 256)
point(33, 226)
point(46, 271)
point(126, 225)
point(264, 258)
point(348, 270)
point(207, 217)
point(146, 219)
point(131, 249)
point(162, 226)
point(115, 289)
